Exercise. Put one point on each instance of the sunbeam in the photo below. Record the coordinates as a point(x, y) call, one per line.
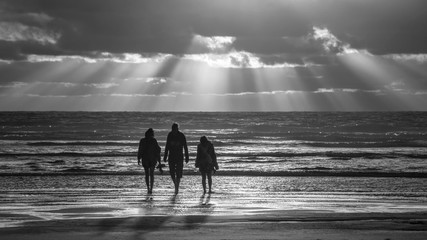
point(249, 55)
point(378, 74)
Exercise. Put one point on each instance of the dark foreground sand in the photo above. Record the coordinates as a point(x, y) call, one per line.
point(263, 225)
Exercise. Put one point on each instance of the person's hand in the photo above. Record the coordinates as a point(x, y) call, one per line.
point(139, 161)
point(187, 160)
point(160, 167)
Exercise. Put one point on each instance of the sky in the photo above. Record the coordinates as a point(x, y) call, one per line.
point(204, 55)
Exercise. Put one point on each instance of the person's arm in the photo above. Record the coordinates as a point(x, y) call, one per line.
point(185, 149)
point(197, 156)
point(158, 151)
point(158, 155)
point(166, 149)
point(214, 157)
point(140, 151)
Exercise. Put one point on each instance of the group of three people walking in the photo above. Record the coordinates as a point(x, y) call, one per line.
point(176, 147)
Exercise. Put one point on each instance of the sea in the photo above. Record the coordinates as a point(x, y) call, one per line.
point(62, 165)
point(246, 143)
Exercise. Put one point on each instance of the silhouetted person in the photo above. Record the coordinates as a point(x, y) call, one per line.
point(206, 161)
point(175, 145)
point(149, 153)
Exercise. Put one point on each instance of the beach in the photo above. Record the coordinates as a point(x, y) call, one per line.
point(90, 207)
point(309, 115)
point(308, 175)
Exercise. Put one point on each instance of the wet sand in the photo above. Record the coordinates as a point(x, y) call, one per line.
point(251, 211)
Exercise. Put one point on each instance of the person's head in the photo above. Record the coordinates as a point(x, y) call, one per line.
point(203, 140)
point(175, 127)
point(149, 133)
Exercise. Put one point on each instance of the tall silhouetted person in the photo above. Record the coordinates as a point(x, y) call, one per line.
point(206, 161)
point(149, 153)
point(175, 145)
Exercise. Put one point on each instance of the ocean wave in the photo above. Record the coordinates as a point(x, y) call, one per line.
point(83, 143)
point(70, 154)
point(334, 155)
point(240, 156)
point(364, 144)
point(323, 172)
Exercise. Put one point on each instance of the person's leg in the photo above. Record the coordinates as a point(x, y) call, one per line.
point(204, 181)
point(151, 179)
point(172, 171)
point(209, 173)
point(147, 178)
point(179, 168)
point(177, 181)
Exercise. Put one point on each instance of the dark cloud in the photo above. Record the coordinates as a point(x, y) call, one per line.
point(244, 50)
point(277, 45)
point(281, 59)
point(9, 51)
point(381, 26)
point(264, 26)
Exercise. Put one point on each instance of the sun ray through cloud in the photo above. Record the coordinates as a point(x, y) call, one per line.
point(204, 56)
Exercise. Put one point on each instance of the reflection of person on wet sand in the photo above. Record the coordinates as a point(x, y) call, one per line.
point(206, 209)
point(176, 143)
point(206, 161)
point(149, 153)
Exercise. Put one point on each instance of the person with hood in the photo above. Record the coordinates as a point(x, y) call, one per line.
point(149, 155)
point(206, 161)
